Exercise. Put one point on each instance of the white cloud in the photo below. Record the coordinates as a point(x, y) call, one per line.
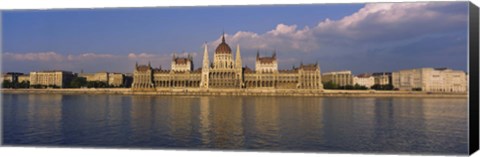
point(93, 61)
point(375, 23)
point(140, 55)
point(282, 37)
point(90, 56)
point(395, 21)
point(38, 56)
point(53, 56)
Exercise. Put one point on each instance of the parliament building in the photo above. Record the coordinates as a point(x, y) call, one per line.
point(227, 72)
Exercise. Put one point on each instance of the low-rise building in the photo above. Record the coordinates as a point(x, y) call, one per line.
point(341, 78)
point(366, 80)
point(99, 76)
point(11, 76)
point(116, 79)
point(7, 77)
point(382, 78)
point(112, 79)
point(56, 78)
point(23, 78)
point(430, 79)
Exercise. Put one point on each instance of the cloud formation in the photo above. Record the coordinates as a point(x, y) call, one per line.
point(377, 37)
point(77, 62)
point(374, 23)
point(38, 56)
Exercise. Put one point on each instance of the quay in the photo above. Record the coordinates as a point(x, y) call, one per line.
point(240, 92)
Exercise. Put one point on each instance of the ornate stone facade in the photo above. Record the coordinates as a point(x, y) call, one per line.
point(143, 77)
point(227, 72)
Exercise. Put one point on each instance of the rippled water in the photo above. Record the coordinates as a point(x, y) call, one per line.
point(411, 125)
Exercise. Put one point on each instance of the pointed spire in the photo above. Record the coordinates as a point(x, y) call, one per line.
point(238, 58)
point(136, 64)
point(223, 37)
point(174, 56)
point(205, 57)
point(274, 53)
point(258, 53)
point(149, 64)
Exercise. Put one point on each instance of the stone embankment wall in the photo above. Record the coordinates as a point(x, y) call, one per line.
point(240, 92)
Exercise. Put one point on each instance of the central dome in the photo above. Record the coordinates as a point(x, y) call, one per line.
point(223, 48)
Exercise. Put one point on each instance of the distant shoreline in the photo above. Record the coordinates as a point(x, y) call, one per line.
point(240, 92)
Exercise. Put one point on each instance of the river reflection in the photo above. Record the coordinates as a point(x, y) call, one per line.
point(262, 123)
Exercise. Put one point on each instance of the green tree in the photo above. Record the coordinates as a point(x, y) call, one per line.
point(382, 87)
point(78, 82)
point(7, 84)
point(97, 84)
point(359, 87)
point(330, 85)
point(24, 84)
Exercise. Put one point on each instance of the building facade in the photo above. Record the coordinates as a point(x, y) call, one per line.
point(51, 78)
point(430, 80)
point(226, 72)
point(116, 79)
point(23, 78)
point(99, 76)
point(366, 80)
point(112, 79)
point(10, 77)
point(341, 78)
point(382, 78)
point(14, 80)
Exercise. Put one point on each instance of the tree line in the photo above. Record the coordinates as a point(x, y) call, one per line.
point(77, 82)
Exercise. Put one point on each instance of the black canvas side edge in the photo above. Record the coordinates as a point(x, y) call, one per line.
point(473, 78)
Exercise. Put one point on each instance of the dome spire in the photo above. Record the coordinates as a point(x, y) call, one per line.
point(223, 47)
point(223, 37)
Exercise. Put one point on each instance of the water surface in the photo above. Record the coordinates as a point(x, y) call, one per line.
point(333, 124)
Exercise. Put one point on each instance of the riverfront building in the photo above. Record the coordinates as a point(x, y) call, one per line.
point(430, 80)
point(23, 78)
point(112, 79)
point(366, 80)
point(382, 78)
point(226, 72)
point(51, 78)
point(341, 78)
point(11, 77)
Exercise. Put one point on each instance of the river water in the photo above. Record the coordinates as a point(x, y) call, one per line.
point(329, 124)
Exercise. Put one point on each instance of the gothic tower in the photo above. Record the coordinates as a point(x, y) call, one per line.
point(238, 66)
point(205, 68)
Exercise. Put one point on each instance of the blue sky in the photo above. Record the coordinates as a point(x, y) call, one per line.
point(358, 37)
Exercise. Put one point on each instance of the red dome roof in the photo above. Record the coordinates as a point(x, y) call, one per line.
point(223, 48)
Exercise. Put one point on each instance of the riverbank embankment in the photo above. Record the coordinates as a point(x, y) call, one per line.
point(239, 92)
